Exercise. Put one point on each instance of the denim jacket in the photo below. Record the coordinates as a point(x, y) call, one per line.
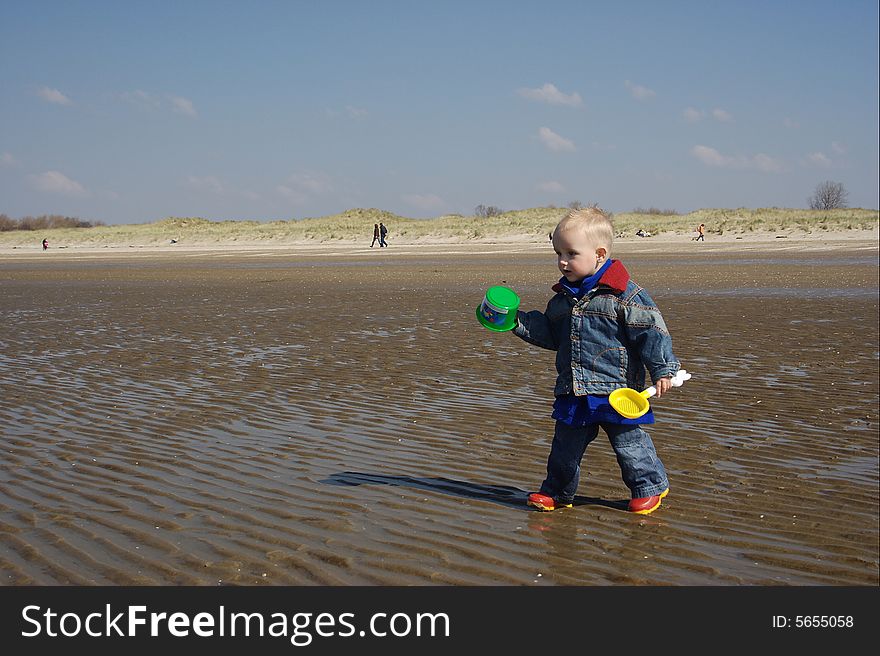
point(604, 340)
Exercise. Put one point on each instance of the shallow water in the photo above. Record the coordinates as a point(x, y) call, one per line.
point(241, 420)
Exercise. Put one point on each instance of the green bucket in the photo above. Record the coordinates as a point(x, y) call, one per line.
point(498, 310)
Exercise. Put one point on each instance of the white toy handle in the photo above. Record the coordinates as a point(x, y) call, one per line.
point(680, 376)
point(677, 381)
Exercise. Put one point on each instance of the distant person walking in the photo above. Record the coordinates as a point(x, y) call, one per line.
point(376, 236)
point(701, 233)
point(382, 232)
point(45, 244)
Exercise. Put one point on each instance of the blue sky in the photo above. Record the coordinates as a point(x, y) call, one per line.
point(129, 112)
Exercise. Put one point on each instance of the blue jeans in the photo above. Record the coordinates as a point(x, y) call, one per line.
point(640, 467)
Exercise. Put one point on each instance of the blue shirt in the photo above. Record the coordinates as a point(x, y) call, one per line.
point(592, 408)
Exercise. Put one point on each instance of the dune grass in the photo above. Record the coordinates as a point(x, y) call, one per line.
point(357, 225)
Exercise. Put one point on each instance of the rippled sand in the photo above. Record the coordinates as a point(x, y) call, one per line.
point(341, 418)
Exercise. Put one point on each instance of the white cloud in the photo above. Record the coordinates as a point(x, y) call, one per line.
point(209, 184)
point(761, 162)
point(765, 163)
point(312, 183)
point(182, 106)
point(790, 123)
point(838, 148)
point(350, 111)
point(299, 187)
point(551, 95)
point(292, 194)
point(819, 159)
point(639, 92)
point(708, 156)
point(142, 99)
point(692, 115)
point(205, 183)
point(162, 103)
point(551, 187)
point(53, 96)
point(553, 141)
point(424, 201)
point(7, 161)
point(54, 182)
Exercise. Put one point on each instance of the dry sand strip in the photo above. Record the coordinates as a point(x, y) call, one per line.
point(861, 240)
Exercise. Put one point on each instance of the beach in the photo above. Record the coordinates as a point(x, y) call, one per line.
point(332, 414)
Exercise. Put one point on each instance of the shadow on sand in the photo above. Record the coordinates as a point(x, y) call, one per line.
point(505, 495)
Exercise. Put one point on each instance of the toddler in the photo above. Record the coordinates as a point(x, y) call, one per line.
point(606, 331)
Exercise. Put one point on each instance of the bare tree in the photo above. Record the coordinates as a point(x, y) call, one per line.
point(484, 212)
point(828, 196)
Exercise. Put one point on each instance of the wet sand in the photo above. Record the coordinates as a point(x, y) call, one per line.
point(338, 417)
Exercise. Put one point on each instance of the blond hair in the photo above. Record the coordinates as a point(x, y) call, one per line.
point(593, 221)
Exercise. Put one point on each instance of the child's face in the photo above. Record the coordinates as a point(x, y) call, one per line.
point(576, 256)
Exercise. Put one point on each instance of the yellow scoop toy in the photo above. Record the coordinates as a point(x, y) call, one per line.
point(632, 404)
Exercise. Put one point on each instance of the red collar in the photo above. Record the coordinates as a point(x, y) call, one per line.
point(616, 278)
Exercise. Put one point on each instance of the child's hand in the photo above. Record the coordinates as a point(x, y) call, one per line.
point(662, 386)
